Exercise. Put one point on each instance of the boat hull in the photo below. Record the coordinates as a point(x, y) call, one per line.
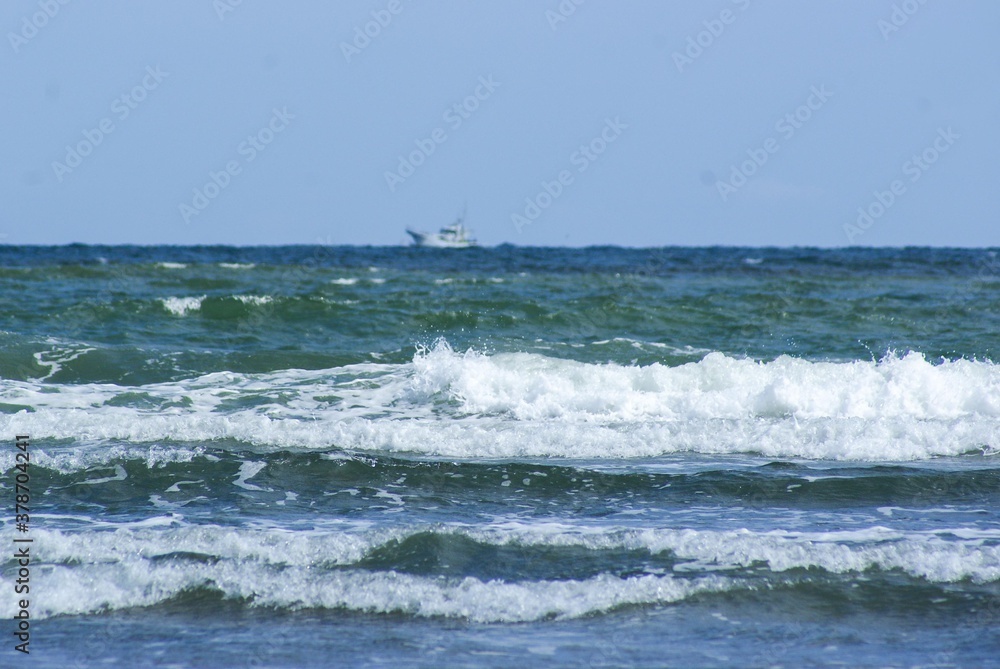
point(437, 241)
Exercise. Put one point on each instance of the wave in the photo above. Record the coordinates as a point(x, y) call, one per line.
point(470, 405)
point(155, 561)
point(945, 555)
point(529, 386)
point(108, 588)
point(256, 300)
point(179, 306)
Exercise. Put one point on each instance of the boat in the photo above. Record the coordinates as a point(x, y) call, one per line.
point(454, 236)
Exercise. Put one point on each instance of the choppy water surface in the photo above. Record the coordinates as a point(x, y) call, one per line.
point(322, 456)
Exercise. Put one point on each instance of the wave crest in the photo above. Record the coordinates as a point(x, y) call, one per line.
point(472, 405)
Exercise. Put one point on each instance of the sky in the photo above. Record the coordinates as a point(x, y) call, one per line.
point(555, 122)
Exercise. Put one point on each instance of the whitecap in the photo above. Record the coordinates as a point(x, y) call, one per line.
point(180, 306)
point(472, 405)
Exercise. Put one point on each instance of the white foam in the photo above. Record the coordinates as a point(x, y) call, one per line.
point(76, 458)
point(247, 471)
point(350, 281)
point(179, 306)
point(282, 569)
point(255, 300)
point(470, 405)
point(176, 487)
point(60, 354)
point(171, 265)
point(237, 265)
point(73, 591)
point(138, 565)
point(164, 535)
point(933, 555)
point(939, 555)
point(120, 475)
point(527, 386)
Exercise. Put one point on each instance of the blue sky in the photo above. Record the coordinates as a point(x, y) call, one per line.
point(642, 123)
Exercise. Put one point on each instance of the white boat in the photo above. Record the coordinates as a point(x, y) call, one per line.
point(454, 236)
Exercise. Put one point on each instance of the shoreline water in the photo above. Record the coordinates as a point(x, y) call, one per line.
point(606, 457)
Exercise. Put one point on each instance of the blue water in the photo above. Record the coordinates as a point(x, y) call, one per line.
point(346, 456)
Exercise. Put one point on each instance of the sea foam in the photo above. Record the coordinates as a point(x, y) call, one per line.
point(470, 405)
point(94, 570)
point(180, 306)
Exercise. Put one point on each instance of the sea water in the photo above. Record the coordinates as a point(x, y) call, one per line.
point(494, 457)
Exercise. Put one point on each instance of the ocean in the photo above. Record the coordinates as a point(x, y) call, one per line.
point(321, 456)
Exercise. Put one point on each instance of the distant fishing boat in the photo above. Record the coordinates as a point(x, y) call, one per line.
point(454, 236)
